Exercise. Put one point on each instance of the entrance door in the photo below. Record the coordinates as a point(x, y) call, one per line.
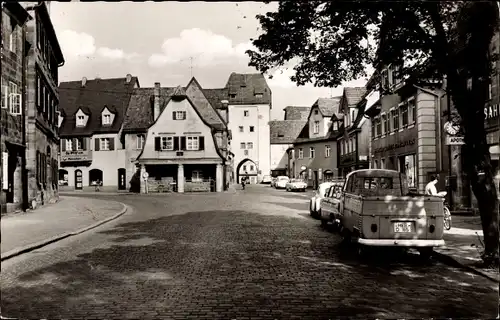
point(78, 179)
point(122, 184)
point(11, 168)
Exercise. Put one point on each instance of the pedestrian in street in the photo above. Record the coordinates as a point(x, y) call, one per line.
point(430, 188)
point(243, 182)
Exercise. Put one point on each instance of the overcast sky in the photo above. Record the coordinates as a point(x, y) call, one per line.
point(155, 40)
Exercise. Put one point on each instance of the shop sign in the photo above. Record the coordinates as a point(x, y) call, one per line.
point(491, 112)
point(395, 146)
point(455, 140)
point(76, 155)
point(5, 168)
point(363, 158)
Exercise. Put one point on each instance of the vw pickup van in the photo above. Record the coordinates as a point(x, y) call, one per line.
point(376, 209)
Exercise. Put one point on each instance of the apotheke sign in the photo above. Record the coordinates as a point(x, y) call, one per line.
point(395, 146)
point(455, 140)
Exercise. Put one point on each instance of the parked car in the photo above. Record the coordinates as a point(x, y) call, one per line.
point(319, 193)
point(330, 204)
point(273, 182)
point(266, 180)
point(376, 209)
point(281, 182)
point(296, 184)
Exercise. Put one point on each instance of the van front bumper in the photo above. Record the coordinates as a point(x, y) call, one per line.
point(401, 242)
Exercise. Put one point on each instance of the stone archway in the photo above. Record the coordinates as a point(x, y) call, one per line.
point(246, 168)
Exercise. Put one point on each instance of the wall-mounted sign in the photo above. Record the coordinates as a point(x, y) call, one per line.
point(491, 112)
point(76, 155)
point(455, 140)
point(303, 168)
point(363, 158)
point(395, 146)
point(5, 168)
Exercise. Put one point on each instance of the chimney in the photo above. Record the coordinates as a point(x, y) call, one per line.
point(129, 78)
point(156, 111)
point(84, 82)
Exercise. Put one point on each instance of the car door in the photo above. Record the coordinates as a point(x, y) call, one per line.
point(326, 204)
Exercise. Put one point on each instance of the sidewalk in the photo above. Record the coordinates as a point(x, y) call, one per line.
point(23, 232)
point(463, 246)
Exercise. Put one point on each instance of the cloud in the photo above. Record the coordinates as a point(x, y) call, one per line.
point(203, 46)
point(80, 44)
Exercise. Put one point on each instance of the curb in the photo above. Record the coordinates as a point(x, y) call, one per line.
point(43, 243)
point(449, 260)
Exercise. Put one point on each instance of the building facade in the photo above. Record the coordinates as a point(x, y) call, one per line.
point(405, 129)
point(248, 113)
point(92, 151)
point(13, 194)
point(314, 151)
point(184, 140)
point(354, 141)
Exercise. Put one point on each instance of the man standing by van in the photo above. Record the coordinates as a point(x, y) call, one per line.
point(430, 188)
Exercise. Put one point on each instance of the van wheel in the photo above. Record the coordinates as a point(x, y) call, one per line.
point(426, 253)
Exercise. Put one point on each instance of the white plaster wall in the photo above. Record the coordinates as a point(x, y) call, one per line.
point(323, 124)
point(279, 156)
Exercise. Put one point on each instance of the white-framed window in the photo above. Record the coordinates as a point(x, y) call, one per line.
point(311, 152)
point(167, 143)
point(197, 176)
point(106, 119)
point(192, 143)
point(241, 128)
point(15, 103)
point(139, 141)
point(250, 145)
point(12, 87)
point(69, 145)
point(301, 153)
point(13, 40)
point(104, 144)
point(412, 112)
point(403, 111)
point(179, 115)
point(316, 126)
point(79, 144)
point(246, 113)
point(242, 145)
point(328, 151)
point(80, 121)
point(335, 126)
point(252, 128)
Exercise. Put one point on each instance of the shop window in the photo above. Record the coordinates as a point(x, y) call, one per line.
point(197, 176)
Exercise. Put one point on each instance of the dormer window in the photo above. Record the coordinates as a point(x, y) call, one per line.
point(80, 121)
point(106, 119)
point(316, 111)
point(316, 127)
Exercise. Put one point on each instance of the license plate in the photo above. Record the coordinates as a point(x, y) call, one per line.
point(402, 227)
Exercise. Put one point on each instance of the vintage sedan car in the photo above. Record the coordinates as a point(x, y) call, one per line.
point(330, 205)
point(266, 180)
point(281, 182)
point(315, 202)
point(296, 184)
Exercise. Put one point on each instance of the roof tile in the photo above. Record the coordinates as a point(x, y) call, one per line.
point(354, 95)
point(285, 131)
point(246, 86)
point(297, 112)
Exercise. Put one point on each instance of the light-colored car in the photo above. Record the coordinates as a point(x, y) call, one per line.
point(266, 180)
point(319, 193)
point(281, 182)
point(330, 205)
point(296, 184)
point(273, 182)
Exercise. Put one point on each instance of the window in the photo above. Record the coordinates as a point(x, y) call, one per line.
point(311, 152)
point(167, 143)
point(246, 113)
point(404, 114)
point(106, 119)
point(384, 123)
point(14, 99)
point(252, 128)
point(385, 79)
point(197, 176)
point(335, 126)
point(379, 127)
point(353, 114)
point(382, 163)
point(490, 93)
point(179, 115)
point(412, 113)
point(244, 168)
point(395, 119)
point(342, 148)
point(80, 121)
point(192, 143)
point(301, 153)
point(5, 95)
point(140, 141)
point(316, 126)
point(251, 168)
point(316, 111)
point(245, 152)
point(79, 144)
point(250, 145)
point(69, 145)
point(327, 151)
point(241, 128)
point(242, 145)
point(104, 144)
point(13, 40)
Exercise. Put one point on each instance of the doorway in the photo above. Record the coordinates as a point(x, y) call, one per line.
point(122, 185)
point(78, 179)
point(11, 168)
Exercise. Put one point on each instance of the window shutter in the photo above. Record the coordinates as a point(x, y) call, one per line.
point(111, 143)
point(173, 115)
point(63, 144)
point(201, 143)
point(184, 115)
point(176, 143)
point(183, 143)
point(96, 145)
point(74, 143)
point(84, 143)
point(157, 143)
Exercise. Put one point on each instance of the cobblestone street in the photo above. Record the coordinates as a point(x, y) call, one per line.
point(249, 254)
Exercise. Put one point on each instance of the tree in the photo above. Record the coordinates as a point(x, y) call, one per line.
point(330, 42)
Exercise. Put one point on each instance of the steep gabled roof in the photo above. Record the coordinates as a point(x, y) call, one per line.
point(285, 131)
point(91, 99)
point(353, 95)
point(296, 112)
point(216, 96)
point(207, 111)
point(245, 86)
point(327, 106)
